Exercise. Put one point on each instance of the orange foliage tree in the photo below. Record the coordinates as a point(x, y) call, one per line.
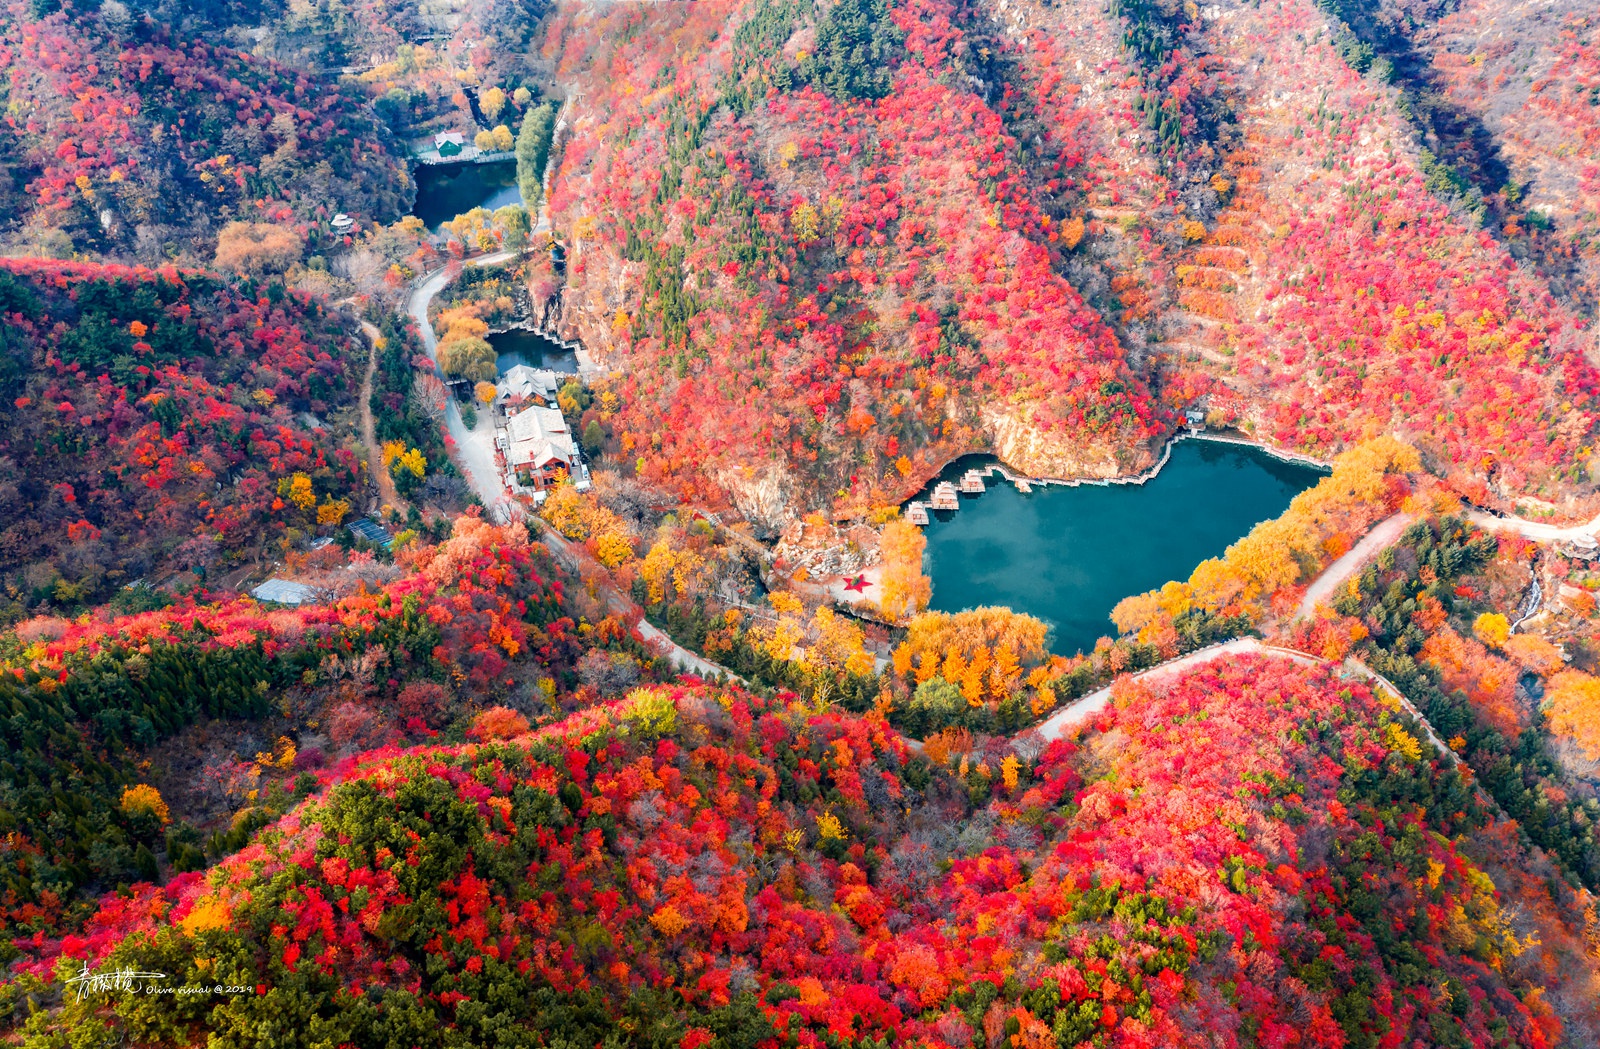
point(1572, 706)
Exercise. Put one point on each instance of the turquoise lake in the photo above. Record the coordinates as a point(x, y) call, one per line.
point(1068, 555)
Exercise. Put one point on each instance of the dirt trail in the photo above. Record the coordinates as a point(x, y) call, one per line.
point(1372, 544)
point(387, 493)
point(1535, 530)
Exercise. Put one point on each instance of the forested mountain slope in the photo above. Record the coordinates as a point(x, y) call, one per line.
point(868, 253)
point(142, 410)
point(1261, 853)
point(1366, 296)
point(833, 245)
point(105, 710)
point(127, 140)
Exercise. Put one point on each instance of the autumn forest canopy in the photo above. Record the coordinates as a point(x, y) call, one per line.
point(511, 628)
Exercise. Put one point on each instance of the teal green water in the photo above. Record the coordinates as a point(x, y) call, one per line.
point(1068, 555)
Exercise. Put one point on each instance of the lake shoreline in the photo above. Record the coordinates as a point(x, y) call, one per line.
point(1013, 476)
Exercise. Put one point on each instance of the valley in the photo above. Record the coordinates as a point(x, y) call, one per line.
point(799, 524)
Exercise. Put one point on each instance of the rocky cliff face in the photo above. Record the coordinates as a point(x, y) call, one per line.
point(1028, 449)
point(599, 285)
point(766, 497)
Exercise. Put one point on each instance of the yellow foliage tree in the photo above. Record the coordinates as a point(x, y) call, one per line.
point(1009, 768)
point(299, 491)
point(566, 511)
point(981, 661)
point(656, 570)
point(1007, 670)
point(413, 462)
point(208, 913)
point(492, 102)
point(332, 511)
point(281, 756)
point(669, 921)
point(905, 591)
point(475, 228)
point(612, 549)
point(837, 644)
point(784, 602)
point(1402, 742)
point(806, 223)
point(1492, 628)
point(955, 666)
point(1132, 613)
point(392, 450)
point(459, 322)
point(143, 799)
point(587, 520)
point(782, 639)
point(972, 685)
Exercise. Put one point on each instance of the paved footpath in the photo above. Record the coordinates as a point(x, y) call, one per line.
point(1384, 534)
point(474, 448)
point(1080, 712)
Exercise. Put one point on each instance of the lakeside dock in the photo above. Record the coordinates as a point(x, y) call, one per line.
point(972, 481)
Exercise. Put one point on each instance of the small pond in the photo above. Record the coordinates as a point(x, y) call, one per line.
point(1068, 555)
point(447, 190)
point(526, 347)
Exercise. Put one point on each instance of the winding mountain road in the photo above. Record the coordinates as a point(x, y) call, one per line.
point(1535, 530)
point(474, 454)
point(474, 448)
point(1381, 537)
point(1080, 712)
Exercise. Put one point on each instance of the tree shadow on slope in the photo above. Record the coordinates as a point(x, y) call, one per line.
point(1460, 153)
